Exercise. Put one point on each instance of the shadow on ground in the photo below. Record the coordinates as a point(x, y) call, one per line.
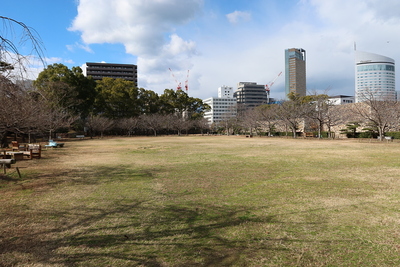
point(134, 231)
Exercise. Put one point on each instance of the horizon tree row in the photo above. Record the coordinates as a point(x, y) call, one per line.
point(316, 113)
point(63, 98)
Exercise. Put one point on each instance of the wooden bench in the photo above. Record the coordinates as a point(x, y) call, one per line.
point(80, 136)
point(308, 134)
point(15, 145)
point(34, 151)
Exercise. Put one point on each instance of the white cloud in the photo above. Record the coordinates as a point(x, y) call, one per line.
point(77, 45)
point(159, 34)
point(145, 28)
point(237, 16)
point(140, 25)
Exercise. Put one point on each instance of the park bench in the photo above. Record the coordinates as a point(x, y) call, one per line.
point(33, 151)
point(308, 134)
point(80, 136)
point(15, 145)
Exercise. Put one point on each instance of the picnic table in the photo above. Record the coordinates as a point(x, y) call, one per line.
point(17, 155)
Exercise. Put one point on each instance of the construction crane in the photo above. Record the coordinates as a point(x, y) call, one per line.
point(178, 84)
point(268, 86)
point(187, 82)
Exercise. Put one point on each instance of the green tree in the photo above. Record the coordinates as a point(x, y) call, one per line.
point(351, 129)
point(117, 98)
point(148, 101)
point(180, 103)
point(68, 89)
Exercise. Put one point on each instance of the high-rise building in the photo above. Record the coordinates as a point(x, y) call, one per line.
point(295, 71)
point(250, 95)
point(112, 70)
point(223, 107)
point(375, 77)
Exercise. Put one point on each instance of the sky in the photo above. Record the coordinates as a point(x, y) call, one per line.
point(212, 43)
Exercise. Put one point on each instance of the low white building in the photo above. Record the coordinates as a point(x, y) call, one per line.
point(223, 107)
point(341, 99)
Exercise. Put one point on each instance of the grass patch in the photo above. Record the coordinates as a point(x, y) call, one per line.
point(204, 201)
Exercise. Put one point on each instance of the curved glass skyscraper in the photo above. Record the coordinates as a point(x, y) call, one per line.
point(375, 77)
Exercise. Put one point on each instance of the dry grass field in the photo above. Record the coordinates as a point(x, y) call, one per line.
point(204, 201)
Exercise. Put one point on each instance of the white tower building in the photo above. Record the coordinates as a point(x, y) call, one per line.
point(375, 77)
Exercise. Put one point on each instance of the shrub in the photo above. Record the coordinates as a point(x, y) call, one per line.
point(368, 134)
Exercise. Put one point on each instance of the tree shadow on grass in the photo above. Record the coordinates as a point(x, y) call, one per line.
point(133, 231)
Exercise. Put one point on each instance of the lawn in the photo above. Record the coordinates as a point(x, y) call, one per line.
point(204, 201)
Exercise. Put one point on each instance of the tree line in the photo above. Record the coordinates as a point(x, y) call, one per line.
point(61, 99)
point(374, 117)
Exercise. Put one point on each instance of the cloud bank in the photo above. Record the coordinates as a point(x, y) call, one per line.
point(212, 41)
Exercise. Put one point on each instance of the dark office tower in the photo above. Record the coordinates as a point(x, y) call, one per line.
point(250, 95)
point(295, 71)
point(100, 70)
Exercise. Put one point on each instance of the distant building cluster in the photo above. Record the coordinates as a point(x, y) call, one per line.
point(374, 78)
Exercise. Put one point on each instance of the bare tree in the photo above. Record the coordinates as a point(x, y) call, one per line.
point(128, 124)
point(336, 115)
point(291, 113)
point(99, 124)
point(178, 123)
point(378, 112)
point(318, 111)
point(201, 124)
point(250, 121)
point(153, 122)
point(16, 108)
point(16, 34)
point(268, 116)
point(52, 119)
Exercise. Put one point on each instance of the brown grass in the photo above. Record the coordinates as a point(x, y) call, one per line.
point(204, 201)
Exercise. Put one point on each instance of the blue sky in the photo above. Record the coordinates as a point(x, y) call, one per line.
point(221, 42)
